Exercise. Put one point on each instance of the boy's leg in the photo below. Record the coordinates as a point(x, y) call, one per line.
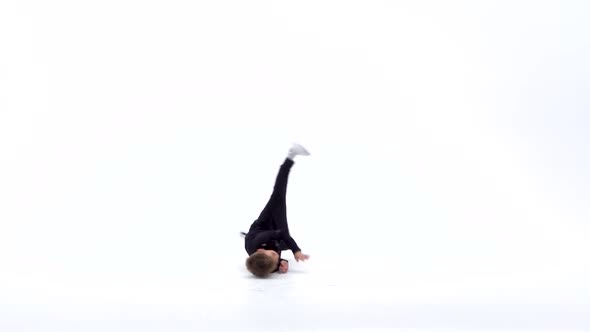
point(274, 214)
point(277, 202)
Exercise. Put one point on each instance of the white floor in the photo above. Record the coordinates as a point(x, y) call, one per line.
point(328, 293)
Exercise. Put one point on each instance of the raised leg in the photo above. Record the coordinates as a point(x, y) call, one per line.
point(277, 201)
point(274, 214)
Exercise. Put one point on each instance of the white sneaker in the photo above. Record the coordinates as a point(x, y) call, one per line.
point(298, 150)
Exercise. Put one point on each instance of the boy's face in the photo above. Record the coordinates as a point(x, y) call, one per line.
point(271, 253)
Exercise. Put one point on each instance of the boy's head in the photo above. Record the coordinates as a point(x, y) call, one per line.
point(262, 262)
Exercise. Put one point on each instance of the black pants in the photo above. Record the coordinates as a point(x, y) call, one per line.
point(274, 214)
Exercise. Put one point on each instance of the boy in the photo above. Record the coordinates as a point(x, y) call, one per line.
point(269, 234)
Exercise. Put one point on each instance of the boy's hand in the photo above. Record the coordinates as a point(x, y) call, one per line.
point(299, 256)
point(284, 267)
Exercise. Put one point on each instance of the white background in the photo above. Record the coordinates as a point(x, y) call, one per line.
point(448, 185)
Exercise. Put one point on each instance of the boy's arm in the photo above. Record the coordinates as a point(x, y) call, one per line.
point(290, 242)
point(284, 266)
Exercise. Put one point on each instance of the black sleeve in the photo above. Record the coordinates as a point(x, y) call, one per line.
point(289, 241)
